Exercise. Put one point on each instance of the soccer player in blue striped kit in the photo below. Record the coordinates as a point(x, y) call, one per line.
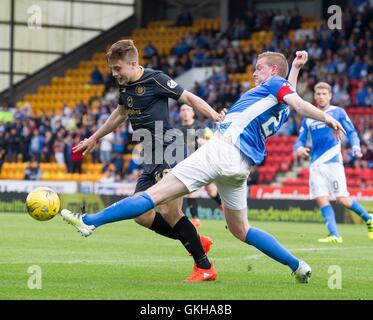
point(226, 159)
point(327, 176)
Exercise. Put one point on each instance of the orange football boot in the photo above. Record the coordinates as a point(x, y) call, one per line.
point(200, 275)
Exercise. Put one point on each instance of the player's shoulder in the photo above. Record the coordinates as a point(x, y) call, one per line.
point(336, 111)
point(275, 83)
point(335, 108)
point(160, 78)
point(151, 73)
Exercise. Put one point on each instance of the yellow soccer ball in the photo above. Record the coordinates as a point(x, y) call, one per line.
point(208, 134)
point(43, 203)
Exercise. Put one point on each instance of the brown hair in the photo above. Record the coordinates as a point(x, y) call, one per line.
point(323, 85)
point(122, 50)
point(278, 59)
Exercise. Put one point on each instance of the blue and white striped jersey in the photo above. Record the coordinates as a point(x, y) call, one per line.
point(325, 147)
point(257, 115)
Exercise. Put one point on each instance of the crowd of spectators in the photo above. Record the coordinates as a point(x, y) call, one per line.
point(42, 139)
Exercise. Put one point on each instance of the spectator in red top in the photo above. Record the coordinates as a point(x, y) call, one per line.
point(76, 157)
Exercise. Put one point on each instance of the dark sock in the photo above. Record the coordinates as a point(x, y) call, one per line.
point(193, 205)
point(188, 236)
point(161, 227)
point(217, 199)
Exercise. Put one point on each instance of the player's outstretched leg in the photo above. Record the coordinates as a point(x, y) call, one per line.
point(76, 219)
point(266, 243)
point(167, 189)
point(124, 209)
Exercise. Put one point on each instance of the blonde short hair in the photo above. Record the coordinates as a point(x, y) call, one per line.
point(323, 85)
point(123, 50)
point(278, 59)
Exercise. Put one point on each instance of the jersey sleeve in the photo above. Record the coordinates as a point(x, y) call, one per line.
point(279, 87)
point(166, 87)
point(302, 138)
point(351, 133)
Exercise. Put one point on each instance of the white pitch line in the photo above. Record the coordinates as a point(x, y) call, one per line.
point(162, 260)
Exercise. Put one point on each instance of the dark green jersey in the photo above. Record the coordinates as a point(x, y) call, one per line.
point(146, 101)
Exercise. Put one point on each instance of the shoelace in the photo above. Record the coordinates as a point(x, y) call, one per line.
point(74, 219)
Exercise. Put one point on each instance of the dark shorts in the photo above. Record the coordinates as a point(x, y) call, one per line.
point(153, 173)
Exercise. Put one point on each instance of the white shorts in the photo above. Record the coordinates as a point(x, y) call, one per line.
point(328, 179)
point(218, 160)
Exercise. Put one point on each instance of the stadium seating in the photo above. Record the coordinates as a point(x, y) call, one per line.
point(279, 158)
point(356, 178)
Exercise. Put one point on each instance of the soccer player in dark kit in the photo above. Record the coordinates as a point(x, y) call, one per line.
point(143, 99)
point(195, 134)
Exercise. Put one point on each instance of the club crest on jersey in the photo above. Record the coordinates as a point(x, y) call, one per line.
point(129, 102)
point(140, 90)
point(171, 83)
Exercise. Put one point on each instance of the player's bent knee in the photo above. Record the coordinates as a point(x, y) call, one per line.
point(146, 219)
point(344, 201)
point(172, 216)
point(239, 232)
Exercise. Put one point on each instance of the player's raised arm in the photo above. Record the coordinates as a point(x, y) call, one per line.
point(299, 61)
point(201, 106)
point(310, 111)
point(117, 117)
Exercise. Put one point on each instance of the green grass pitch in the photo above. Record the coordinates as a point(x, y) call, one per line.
point(125, 261)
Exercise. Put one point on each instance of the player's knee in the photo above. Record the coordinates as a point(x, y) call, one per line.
point(171, 213)
point(322, 202)
point(146, 219)
point(239, 232)
point(346, 202)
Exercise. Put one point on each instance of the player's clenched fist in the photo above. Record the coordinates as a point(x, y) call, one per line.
point(301, 57)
